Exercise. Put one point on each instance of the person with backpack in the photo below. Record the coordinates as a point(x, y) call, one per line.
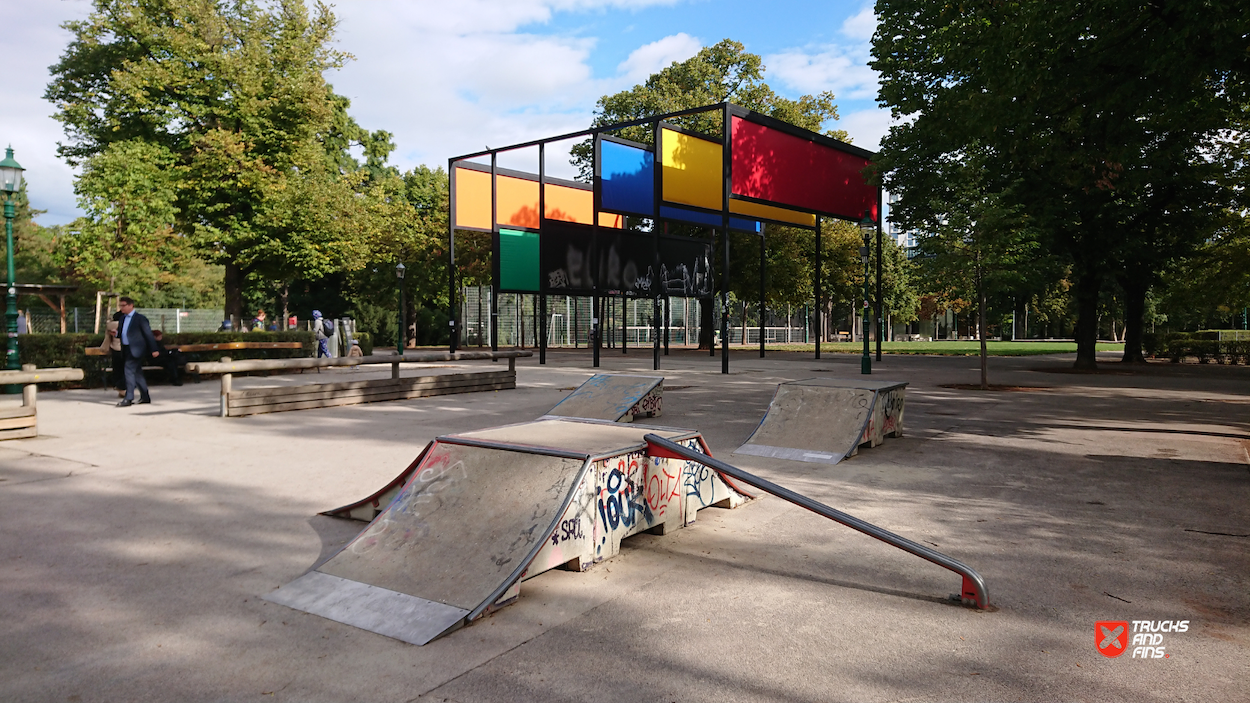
point(323, 329)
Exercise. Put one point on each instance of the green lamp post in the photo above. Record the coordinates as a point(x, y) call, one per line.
point(867, 227)
point(403, 320)
point(11, 184)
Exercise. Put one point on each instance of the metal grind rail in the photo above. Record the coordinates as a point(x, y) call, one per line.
point(973, 591)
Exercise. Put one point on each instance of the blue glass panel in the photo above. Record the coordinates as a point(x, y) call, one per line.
point(710, 219)
point(626, 179)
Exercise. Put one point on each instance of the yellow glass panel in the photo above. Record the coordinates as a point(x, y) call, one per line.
point(473, 199)
point(691, 170)
point(768, 212)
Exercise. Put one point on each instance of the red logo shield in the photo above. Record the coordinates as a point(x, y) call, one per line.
point(1111, 637)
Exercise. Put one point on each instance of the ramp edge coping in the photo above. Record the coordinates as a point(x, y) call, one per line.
point(973, 587)
point(524, 564)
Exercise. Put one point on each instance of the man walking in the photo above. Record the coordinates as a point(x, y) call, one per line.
point(137, 344)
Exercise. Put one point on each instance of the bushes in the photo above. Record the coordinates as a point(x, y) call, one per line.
point(52, 350)
point(1205, 347)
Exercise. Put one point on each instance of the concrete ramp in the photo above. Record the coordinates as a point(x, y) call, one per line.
point(369, 508)
point(826, 420)
point(483, 510)
point(615, 398)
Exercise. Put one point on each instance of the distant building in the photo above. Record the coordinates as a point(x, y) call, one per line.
point(905, 239)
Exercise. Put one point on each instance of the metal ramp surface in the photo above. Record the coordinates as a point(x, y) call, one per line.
point(614, 397)
point(485, 509)
point(825, 420)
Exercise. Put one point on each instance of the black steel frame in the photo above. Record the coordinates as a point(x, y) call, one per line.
point(657, 123)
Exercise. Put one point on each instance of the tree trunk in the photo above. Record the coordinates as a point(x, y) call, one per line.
point(1086, 331)
point(1134, 310)
point(286, 306)
point(985, 382)
point(234, 295)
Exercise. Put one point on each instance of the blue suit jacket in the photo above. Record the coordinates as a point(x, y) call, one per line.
point(142, 343)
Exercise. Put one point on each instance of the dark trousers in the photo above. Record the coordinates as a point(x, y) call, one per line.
point(171, 359)
point(118, 377)
point(134, 376)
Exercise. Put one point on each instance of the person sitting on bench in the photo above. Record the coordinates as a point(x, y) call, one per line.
point(170, 359)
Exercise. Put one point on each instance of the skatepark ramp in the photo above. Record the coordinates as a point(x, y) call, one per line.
point(483, 510)
point(614, 397)
point(610, 397)
point(825, 420)
point(973, 591)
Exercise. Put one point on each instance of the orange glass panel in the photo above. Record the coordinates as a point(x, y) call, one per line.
point(576, 205)
point(517, 202)
point(473, 199)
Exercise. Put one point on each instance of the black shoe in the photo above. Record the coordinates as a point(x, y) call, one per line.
point(125, 403)
point(143, 401)
point(177, 383)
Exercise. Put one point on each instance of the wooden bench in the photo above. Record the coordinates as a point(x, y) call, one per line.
point(191, 348)
point(253, 401)
point(220, 346)
point(21, 422)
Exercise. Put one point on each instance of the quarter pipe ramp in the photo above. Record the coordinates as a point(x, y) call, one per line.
point(483, 510)
point(825, 420)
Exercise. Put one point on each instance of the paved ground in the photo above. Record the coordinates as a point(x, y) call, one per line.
point(134, 544)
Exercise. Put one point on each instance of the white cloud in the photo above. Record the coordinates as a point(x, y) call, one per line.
point(866, 127)
point(33, 42)
point(650, 58)
point(839, 67)
point(860, 26)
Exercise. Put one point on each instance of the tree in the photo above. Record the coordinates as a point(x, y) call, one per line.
point(1102, 121)
point(125, 242)
point(234, 93)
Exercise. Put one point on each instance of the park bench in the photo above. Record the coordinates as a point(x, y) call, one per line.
point(21, 421)
point(194, 348)
point(253, 401)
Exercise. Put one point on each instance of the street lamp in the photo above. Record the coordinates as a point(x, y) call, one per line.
point(867, 227)
point(403, 328)
point(11, 183)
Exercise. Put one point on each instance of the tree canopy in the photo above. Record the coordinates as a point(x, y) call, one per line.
point(230, 98)
point(1106, 124)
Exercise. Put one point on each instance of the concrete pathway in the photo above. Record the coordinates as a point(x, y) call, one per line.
point(134, 544)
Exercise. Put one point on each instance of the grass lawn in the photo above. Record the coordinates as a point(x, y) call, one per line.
point(971, 348)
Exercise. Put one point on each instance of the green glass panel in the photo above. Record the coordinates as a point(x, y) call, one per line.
point(518, 261)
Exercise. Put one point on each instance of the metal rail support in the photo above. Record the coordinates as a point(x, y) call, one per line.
point(973, 591)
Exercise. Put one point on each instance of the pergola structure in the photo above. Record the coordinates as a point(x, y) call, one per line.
point(45, 293)
point(559, 237)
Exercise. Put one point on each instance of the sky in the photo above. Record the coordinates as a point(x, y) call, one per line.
point(448, 78)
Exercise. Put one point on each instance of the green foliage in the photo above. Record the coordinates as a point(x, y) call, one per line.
point(1117, 177)
point(230, 101)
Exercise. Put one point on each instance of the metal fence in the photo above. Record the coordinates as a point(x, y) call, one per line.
point(626, 321)
point(82, 320)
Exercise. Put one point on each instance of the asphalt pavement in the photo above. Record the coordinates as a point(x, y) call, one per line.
point(135, 544)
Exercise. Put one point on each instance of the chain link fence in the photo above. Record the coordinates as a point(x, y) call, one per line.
point(81, 320)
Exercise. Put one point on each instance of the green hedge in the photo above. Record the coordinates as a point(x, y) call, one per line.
point(52, 350)
point(1202, 346)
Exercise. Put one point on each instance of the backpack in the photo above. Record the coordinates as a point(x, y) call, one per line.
point(327, 327)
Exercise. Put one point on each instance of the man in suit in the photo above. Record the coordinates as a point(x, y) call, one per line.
point(137, 345)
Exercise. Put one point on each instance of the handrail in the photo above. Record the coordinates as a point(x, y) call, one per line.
point(277, 364)
point(49, 375)
point(973, 585)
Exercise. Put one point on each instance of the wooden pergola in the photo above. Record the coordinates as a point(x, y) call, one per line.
point(46, 293)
